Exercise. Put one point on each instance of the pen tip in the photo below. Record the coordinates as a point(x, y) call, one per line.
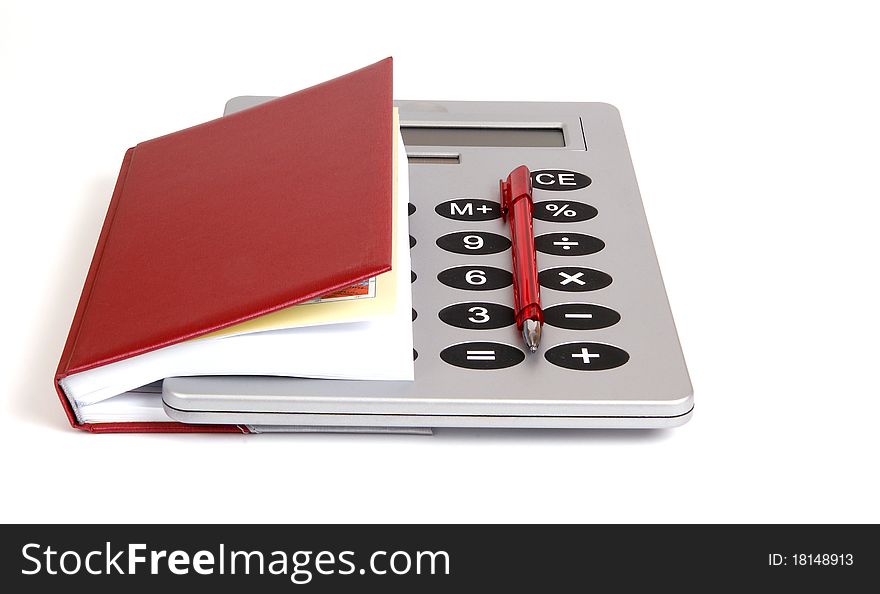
point(532, 334)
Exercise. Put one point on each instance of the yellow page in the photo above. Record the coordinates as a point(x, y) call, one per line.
point(335, 312)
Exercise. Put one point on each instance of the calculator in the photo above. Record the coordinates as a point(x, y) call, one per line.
point(609, 355)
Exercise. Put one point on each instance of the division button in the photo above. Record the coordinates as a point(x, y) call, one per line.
point(573, 278)
point(568, 244)
point(586, 356)
point(473, 242)
point(469, 209)
point(477, 315)
point(482, 355)
point(476, 278)
point(563, 211)
point(580, 316)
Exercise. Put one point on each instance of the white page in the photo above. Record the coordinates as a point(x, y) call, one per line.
point(379, 349)
point(128, 407)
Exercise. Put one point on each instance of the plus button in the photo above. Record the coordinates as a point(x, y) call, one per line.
point(585, 355)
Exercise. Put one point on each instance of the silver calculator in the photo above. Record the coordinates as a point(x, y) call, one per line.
point(609, 355)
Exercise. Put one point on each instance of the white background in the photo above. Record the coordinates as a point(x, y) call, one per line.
point(754, 130)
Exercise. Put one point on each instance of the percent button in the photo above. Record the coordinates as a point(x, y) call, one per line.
point(563, 211)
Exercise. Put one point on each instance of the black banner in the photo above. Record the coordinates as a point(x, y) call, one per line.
point(431, 558)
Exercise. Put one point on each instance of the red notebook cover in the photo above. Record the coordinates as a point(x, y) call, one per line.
point(236, 218)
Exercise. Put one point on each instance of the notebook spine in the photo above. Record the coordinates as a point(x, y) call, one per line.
point(82, 306)
point(70, 345)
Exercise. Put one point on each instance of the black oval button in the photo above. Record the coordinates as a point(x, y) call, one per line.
point(568, 244)
point(473, 242)
point(586, 356)
point(412, 276)
point(559, 180)
point(477, 315)
point(580, 316)
point(573, 278)
point(482, 355)
point(415, 315)
point(411, 208)
point(476, 278)
point(563, 211)
point(469, 209)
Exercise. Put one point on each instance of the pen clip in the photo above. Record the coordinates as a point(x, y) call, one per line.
point(517, 185)
point(504, 186)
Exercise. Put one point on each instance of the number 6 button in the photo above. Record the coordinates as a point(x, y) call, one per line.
point(477, 315)
point(473, 242)
point(475, 278)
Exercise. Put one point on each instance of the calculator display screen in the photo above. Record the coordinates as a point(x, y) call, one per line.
point(485, 136)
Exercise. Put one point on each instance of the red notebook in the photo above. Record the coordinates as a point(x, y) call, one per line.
point(226, 221)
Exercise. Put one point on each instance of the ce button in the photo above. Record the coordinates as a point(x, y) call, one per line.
point(559, 180)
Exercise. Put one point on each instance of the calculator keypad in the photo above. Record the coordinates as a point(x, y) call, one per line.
point(490, 315)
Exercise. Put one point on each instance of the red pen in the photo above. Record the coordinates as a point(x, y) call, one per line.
point(516, 203)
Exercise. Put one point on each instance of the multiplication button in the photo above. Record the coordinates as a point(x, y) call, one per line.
point(586, 356)
point(469, 209)
point(580, 316)
point(568, 244)
point(482, 355)
point(573, 278)
point(563, 211)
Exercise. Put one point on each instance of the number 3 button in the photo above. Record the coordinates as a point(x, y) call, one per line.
point(473, 242)
point(477, 315)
